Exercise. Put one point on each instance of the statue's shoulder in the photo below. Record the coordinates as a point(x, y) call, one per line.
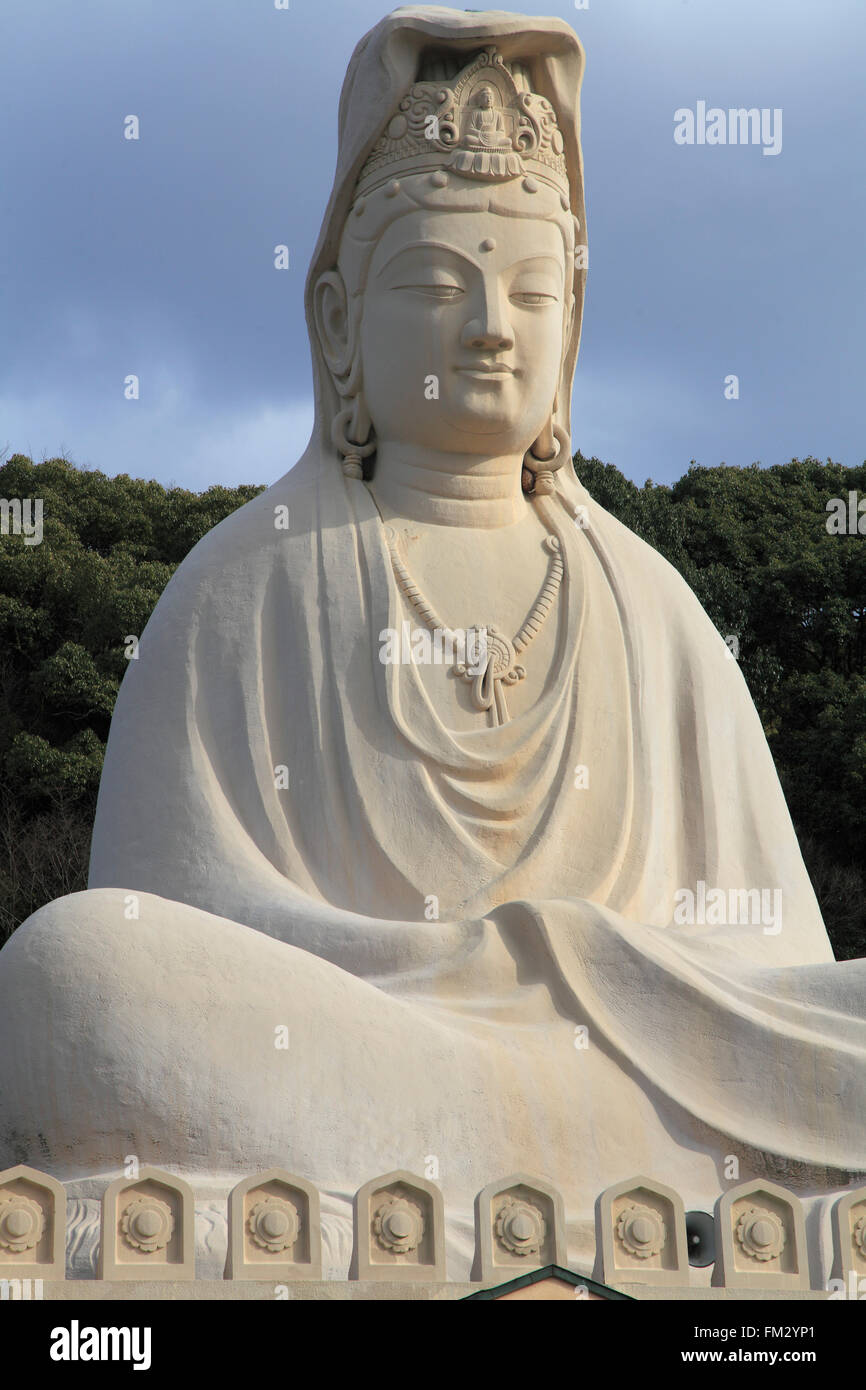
point(277, 525)
point(228, 571)
point(632, 547)
point(653, 584)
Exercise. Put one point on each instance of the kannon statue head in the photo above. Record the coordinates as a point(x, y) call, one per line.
point(449, 315)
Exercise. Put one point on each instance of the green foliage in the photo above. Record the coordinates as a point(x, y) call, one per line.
point(109, 547)
point(46, 774)
point(751, 542)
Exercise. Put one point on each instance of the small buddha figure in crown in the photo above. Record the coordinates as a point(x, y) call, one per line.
point(488, 128)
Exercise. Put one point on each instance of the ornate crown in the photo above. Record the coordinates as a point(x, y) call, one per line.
point(485, 123)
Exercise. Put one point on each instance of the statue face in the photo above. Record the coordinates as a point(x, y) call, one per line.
point(468, 307)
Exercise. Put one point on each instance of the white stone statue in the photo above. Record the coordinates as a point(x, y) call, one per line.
point(536, 905)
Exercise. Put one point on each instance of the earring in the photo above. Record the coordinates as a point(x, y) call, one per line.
point(353, 453)
point(542, 468)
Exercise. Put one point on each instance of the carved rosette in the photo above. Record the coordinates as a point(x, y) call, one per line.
point(761, 1233)
point(859, 1235)
point(520, 1227)
point(22, 1223)
point(641, 1231)
point(147, 1224)
point(274, 1223)
point(398, 1225)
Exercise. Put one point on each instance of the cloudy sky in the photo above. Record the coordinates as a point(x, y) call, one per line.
point(155, 257)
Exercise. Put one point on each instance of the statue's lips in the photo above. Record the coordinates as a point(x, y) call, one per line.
point(487, 369)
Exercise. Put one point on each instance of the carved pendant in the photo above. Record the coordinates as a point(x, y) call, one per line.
point(500, 669)
point(496, 665)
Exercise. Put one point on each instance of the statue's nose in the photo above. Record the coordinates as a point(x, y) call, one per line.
point(490, 327)
point(489, 332)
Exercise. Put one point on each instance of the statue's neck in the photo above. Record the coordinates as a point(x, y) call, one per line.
point(448, 489)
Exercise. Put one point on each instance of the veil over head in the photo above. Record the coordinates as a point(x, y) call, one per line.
point(383, 67)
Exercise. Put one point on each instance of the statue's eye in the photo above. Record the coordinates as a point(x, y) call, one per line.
point(434, 291)
point(533, 297)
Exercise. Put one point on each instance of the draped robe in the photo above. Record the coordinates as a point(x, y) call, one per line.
point(265, 653)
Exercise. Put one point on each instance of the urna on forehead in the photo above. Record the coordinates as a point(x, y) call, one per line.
point(475, 139)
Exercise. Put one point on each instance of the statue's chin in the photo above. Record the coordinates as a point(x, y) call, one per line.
point(484, 405)
point(486, 432)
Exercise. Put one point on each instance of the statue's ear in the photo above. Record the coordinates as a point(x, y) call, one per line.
point(331, 311)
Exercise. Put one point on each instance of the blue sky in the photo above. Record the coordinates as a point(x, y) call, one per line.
point(155, 257)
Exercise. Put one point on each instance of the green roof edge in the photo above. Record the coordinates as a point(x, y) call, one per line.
point(534, 1276)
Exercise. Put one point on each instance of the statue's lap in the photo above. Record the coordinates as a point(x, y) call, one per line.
point(191, 1040)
